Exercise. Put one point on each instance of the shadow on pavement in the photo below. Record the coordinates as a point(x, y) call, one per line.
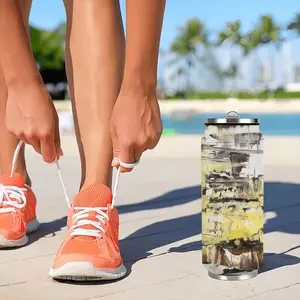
point(189, 247)
point(169, 199)
point(274, 261)
point(139, 244)
point(282, 199)
point(47, 229)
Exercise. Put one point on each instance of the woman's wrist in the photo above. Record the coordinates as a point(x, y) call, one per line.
point(18, 81)
point(138, 89)
point(139, 81)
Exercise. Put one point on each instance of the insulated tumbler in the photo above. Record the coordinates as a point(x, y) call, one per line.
point(232, 197)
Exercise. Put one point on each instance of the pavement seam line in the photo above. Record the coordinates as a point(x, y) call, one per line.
point(271, 292)
point(14, 283)
point(26, 258)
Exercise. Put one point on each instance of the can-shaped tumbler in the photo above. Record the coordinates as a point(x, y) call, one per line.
point(232, 188)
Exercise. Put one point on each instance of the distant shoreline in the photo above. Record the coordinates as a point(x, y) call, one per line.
point(282, 106)
point(223, 106)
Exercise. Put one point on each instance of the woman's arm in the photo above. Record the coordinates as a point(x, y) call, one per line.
point(143, 30)
point(136, 123)
point(30, 113)
point(16, 59)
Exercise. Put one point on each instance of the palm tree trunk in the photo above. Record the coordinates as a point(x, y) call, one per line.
point(235, 69)
point(270, 93)
point(260, 62)
point(188, 78)
point(270, 62)
point(286, 65)
point(230, 65)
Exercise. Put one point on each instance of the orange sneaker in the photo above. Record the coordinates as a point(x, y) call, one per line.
point(90, 250)
point(17, 211)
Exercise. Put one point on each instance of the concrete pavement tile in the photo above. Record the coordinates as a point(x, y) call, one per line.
point(194, 288)
point(281, 241)
point(39, 245)
point(144, 273)
point(23, 270)
point(160, 235)
point(291, 293)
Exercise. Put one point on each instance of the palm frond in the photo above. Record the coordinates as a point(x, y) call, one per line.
point(223, 36)
point(295, 24)
point(265, 31)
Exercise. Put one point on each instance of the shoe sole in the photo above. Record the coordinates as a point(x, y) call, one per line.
point(85, 271)
point(31, 227)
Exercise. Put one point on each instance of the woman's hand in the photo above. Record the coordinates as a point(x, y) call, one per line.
point(31, 117)
point(135, 127)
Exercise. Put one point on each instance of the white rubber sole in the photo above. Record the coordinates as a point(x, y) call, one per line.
point(31, 227)
point(85, 271)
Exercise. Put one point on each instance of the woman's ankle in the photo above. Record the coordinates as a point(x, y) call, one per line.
point(22, 172)
point(88, 181)
point(24, 175)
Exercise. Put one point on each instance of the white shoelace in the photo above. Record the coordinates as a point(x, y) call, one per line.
point(13, 197)
point(79, 219)
point(81, 214)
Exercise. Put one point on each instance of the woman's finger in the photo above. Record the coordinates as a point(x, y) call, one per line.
point(126, 156)
point(48, 150)
point(57, 142)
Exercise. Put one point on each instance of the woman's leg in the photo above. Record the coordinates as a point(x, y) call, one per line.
point(17, 218)
point(8, 142)
point(95, 62)
point(95, 53)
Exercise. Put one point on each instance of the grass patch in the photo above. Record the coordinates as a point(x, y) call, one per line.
point(278, 95)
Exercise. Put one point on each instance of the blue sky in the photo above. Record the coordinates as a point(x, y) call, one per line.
point(48, 14)
point(215, 13)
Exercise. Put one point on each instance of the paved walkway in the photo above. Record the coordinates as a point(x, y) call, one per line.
point(160, 235)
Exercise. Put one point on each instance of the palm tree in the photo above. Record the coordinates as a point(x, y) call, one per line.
point(266, 32)
point(185, 46)
point(177, 75)
point(295, 25)
point(212, 64)
point(232, 34)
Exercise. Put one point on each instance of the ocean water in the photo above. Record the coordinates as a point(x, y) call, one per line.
point(189, 123)
point(270, 124)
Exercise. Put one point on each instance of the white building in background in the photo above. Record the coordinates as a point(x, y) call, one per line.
point(294, 85)
point(292, 71)
point(260, 70)
point(296, 74)
point(287, 63)
point(266, 79)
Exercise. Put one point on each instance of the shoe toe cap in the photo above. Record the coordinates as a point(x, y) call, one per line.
point(98, 261)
